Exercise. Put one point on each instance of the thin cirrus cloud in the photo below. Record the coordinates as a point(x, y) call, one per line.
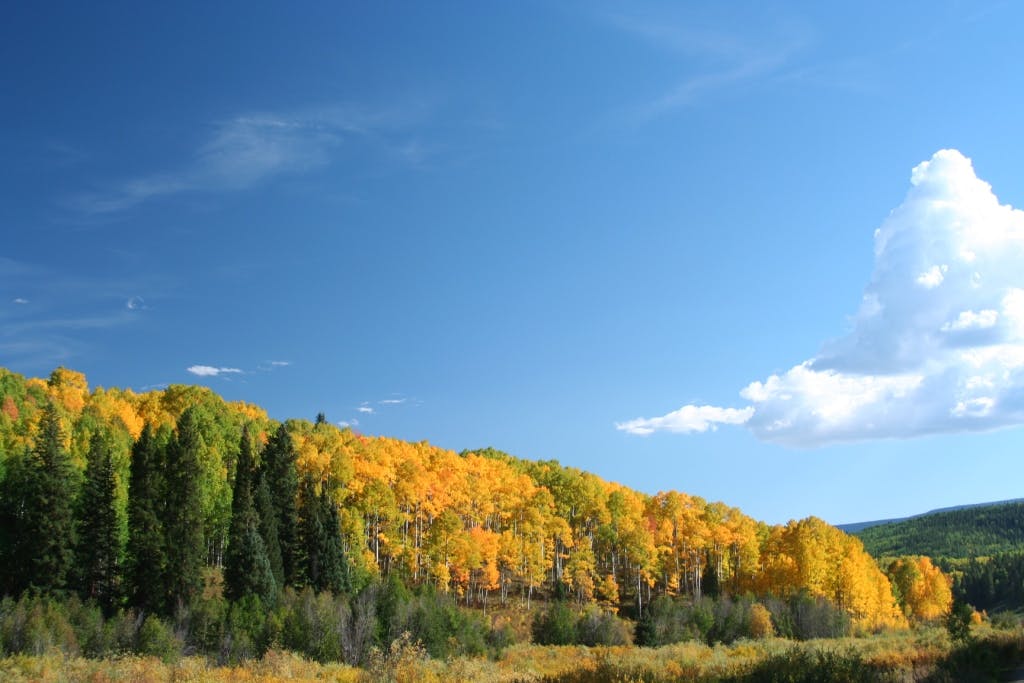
point(937, 345)
point(709, 60)
point(247, 150)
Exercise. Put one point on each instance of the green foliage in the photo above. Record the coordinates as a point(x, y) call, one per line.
point(185, 543)
point(46, 535)
point(247, 570)
point(556, 625)
point(321, 561)
point(970, 532)
point(157, 639)
point(99, 539)
point(995, 583)
point(279, 472)
point(146, 547)
point(958, 622)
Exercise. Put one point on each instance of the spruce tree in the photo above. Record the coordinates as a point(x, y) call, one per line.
point(183, 514)
point(322, 560)
point(279, 471)
point(267, 515)
point(99, 541)
point(247, 570)
point(48, 541)
point(146, 550)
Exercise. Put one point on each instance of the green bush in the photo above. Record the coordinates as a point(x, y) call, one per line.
point(157, 639)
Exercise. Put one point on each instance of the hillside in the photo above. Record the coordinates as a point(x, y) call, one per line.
point(856, 527)
point(968, 532)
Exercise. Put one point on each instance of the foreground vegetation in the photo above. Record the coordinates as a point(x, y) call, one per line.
point(925, 655)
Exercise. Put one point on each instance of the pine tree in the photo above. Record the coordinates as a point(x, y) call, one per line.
point(247, 570)
point(266, 513)
point(99, 543)
point(49, 539)
point(183, 514)
point(146, 550)
point(322, 558)
point(279, 472)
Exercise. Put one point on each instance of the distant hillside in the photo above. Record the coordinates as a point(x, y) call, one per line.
point(856, 527)
point(965, 532)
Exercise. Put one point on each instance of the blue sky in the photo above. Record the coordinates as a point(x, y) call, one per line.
point(638, 238)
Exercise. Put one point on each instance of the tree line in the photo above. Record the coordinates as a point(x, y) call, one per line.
point(144, 499)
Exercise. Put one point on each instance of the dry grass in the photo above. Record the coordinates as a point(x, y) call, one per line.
point(909, 652)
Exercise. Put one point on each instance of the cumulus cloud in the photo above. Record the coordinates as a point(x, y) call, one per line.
point(211, 371)
point(937, 344)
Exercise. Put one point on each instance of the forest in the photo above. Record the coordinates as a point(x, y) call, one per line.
point(172, 521)
point(978, 547)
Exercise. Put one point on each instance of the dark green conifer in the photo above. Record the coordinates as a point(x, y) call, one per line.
point(99, 540)
point(281, 476)
point(266, 513)
point(183, 516)
point(247, 570)
point(322, 559)
point(146, 550)
point(48, 541)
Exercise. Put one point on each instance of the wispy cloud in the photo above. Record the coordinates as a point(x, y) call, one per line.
point(247, 150)
point(212, 371)
point(280, 363)
point(348, 423)
point(135, 303)
point(392, 401)
point(56, 311)
point(365, 409)
point(709, 59)
point(937, 345)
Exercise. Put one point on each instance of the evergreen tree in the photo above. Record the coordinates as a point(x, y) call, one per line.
point(280, 474)
point(247, 570)
point(15, 543)
point(266, 513)
point(183, 514)
point(146, 550)
point(47, 545)
point(99, 543)
point(320, 539)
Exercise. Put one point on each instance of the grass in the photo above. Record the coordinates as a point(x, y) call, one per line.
point(920, 655)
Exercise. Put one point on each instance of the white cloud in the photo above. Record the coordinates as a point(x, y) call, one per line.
point(280, 363)
point(932, 277)
point(365, 409)
point(969, 320)
point(938, 343)
point(21, 301)
point(391, 401)
point(211, 371)
point(687, 419)
point(135, 303)
point(348, 423)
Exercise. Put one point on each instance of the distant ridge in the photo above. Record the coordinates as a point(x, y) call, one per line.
point(855, 527)
point(964, 531)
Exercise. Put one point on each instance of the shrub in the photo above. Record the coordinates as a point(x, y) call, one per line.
point(157, 639)
point(555, 626)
